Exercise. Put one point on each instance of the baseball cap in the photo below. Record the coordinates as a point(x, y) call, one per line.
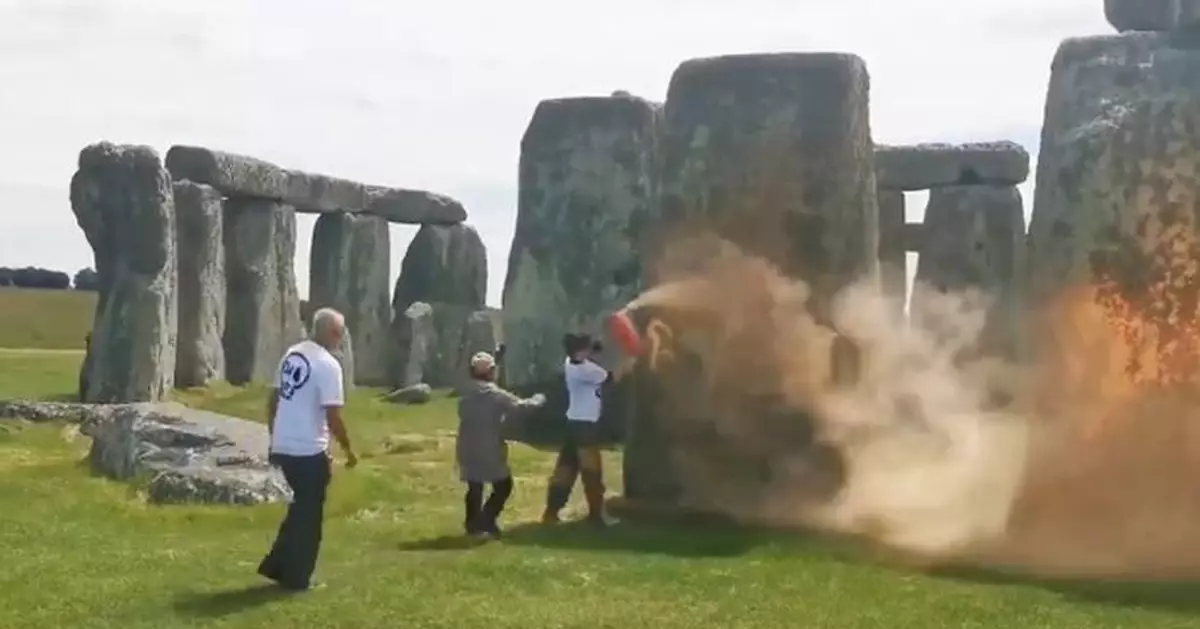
point(482, 361)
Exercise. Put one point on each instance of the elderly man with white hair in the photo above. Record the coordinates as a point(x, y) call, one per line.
point(481, 449)
point(303, 409)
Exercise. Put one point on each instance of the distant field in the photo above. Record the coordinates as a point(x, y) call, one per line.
point(45, 319)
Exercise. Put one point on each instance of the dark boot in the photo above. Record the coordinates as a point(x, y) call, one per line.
point(556, 498)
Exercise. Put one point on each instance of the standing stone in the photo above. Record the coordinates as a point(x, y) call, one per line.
point(774, 153)
point(443, 264)
point(585, 201)
point(345, 357)
point(200, 357)
point(893, 250)
point(1124, 223)
point(1142, 15)
point(413, 340)
point(262, 304)
point(445, 268)
point(350, 268)
point(974, 239)
point(122, 199)
point(481, 333)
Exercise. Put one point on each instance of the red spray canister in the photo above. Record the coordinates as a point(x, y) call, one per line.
point(625, 333)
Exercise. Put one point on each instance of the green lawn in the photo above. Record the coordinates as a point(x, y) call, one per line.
point(84, 552)
point(45, 319)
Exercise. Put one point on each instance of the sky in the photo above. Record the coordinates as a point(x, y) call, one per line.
point(436, 95)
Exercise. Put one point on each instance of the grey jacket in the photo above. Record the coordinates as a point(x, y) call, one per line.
point(480, 449)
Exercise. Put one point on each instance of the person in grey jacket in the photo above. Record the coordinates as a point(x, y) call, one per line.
point(481, 451)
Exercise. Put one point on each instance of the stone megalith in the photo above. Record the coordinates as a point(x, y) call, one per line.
point(262, 316)
point(349, 271)
point(122, 199)
point(772, 152)
point(200, 357)
point(924, 166)
point(893, 248)
point(585, 200)
point(444, 269)
point(1142, 15)
point(1123, 225)
point(413, 344)
point(443, 264)
point(974, 241)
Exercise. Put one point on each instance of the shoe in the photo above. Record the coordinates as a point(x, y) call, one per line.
point(308, 587)
point(268, 573)
point(550, 517)
point(602, 520)
point(493, 529)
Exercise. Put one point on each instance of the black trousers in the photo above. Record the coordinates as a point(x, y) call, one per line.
point(293, 556)
point(481, 516)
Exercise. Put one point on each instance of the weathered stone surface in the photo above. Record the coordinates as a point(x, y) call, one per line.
point(974, 239)
point(244, 176)
point(190, 455)
point(350, 271)
point(1123, 223)
point(773, 152)
point(924, 166)
point(1142, 15)
point(584, 204)
point(414, 206)
point(893, 253)
point(200, 356)
point(433, 343)
point(345, 357)
point(443, 264)
point(414, 394)
point(122, 199)
point(310, 192)
point(233, 174)
point(412, 344)
point(262, 305)
point(69, 412)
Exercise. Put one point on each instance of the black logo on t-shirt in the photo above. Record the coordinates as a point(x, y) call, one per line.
point(293, 375)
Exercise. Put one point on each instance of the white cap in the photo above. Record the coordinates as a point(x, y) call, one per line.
point(482, 361)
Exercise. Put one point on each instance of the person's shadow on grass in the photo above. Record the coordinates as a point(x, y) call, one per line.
point(637, 537)
point(227, 602)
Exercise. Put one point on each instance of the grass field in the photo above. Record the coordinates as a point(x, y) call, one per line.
point(45, 319)
point(80, 551)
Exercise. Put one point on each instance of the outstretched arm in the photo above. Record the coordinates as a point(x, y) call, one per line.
point(509, 402)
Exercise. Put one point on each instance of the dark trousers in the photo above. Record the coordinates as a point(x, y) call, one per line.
point(579, 458)
point(481, 516)
point(293, 556)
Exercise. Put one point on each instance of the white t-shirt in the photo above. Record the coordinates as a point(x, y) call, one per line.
point(583, 389)
point(310, 380)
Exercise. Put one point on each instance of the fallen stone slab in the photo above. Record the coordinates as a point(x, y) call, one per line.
point(924, 166)
point(190, 455)
point(70, 412)
point(416, 394)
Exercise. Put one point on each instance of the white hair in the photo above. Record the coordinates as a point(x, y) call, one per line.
point(324, 320)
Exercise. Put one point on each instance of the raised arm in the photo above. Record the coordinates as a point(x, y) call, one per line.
point(508, 402)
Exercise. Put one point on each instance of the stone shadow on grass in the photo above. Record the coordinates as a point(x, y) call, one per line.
point(1179, 596)
point(227, 602)
point(708, 540)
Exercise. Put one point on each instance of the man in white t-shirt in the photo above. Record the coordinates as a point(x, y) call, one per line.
point(580, 454)
point(304, 408)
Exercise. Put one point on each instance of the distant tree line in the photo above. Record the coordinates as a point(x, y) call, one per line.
point(37, 277)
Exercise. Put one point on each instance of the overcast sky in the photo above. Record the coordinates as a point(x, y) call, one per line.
point(436, 95)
